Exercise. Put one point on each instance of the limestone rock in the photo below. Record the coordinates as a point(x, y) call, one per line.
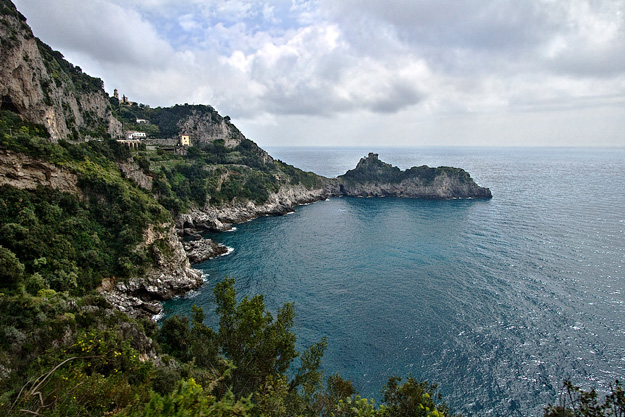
point(203, 249)
point(171, 276)
point(374, 178)
point(136, 174)
point(25, 172)
point(34, 84)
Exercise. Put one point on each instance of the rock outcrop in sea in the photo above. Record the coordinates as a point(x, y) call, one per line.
point(374, 178)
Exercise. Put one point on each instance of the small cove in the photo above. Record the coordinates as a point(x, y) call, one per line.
point(497, 301)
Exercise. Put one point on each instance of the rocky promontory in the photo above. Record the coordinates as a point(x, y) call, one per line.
point(201, 250)
point(374, 178)
point(370, 178)
point(170, 276)
point(221, 218)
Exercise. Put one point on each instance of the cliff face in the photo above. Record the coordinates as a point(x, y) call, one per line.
point(221, 218)
point(25, 172)
point(374, 178)
point(370, 178)
point(205, 127)
point(172, 275)
point(43, 88)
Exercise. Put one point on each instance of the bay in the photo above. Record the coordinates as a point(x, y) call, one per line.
point(497, 301)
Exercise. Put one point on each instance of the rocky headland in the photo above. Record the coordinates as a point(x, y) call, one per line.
point(374, 178)
point(370, 178)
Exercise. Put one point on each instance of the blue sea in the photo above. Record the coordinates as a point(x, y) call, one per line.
point(497, 301)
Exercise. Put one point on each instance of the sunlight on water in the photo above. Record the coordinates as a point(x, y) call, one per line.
point(496, 301)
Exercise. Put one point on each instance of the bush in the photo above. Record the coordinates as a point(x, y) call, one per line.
point(11, 269)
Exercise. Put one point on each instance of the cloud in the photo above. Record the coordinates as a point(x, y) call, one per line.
point(104, 30)
point(339, 60)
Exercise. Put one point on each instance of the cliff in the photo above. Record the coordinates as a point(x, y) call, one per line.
point(42, 87)
point(370, 178)
point(206, 126)
point(27, 173)
point(220, 218)
point(170, 275)
point(374, 178)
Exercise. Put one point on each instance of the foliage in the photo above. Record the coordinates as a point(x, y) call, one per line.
point(371, 169)
point(575, 402)
point(11, 269)
point(191, 399)
point(248, 336)
point(69, 242)
point(412, 398)
point(165, 121)
point(12, 125)
point(62, 72)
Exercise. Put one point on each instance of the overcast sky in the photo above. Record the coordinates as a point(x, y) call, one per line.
point(362, 72)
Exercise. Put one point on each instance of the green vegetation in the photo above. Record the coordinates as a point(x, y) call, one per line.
point(575, 402)
point(82, 359)
point(63, 72)
point(164, 121)
point(70, 241)
point(7, 8)
point(11, 125)
point(214, 174)
point(371, 169)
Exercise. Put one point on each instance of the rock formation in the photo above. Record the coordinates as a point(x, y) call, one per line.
point(374, 178)
point(207, 126)
point(172, 275)
point(43, 88)
point(25, 172)
point(201, 250)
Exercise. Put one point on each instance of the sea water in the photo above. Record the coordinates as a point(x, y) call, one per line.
point(498, 301)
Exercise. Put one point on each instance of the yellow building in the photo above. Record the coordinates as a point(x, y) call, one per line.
point(184, 140)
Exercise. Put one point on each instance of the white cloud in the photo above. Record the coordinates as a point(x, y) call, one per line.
point(414, 63)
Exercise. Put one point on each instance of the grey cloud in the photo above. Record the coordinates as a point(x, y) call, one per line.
point(106, 32)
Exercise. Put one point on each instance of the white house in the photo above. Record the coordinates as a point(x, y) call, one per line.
point(136, 135)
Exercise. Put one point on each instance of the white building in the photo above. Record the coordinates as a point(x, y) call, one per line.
point(136, 135)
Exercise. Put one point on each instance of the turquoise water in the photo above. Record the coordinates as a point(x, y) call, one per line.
point(497, 301)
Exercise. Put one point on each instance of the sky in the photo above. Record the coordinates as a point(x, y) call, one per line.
point(362, 72)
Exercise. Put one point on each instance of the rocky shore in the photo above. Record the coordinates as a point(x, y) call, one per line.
point(173, 276)
point(201, 250)
point(221, 219)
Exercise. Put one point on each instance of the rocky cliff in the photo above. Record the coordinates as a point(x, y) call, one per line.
point(209, 126)
point(171, 275)
point(374, 178)
point(43, 88)
point(27, 173)
point(370, 178)
point(221, 218)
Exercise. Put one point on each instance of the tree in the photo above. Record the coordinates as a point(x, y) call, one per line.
point(576, 402)
point(11, 269)
point(248, 336)
point(412, 398)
